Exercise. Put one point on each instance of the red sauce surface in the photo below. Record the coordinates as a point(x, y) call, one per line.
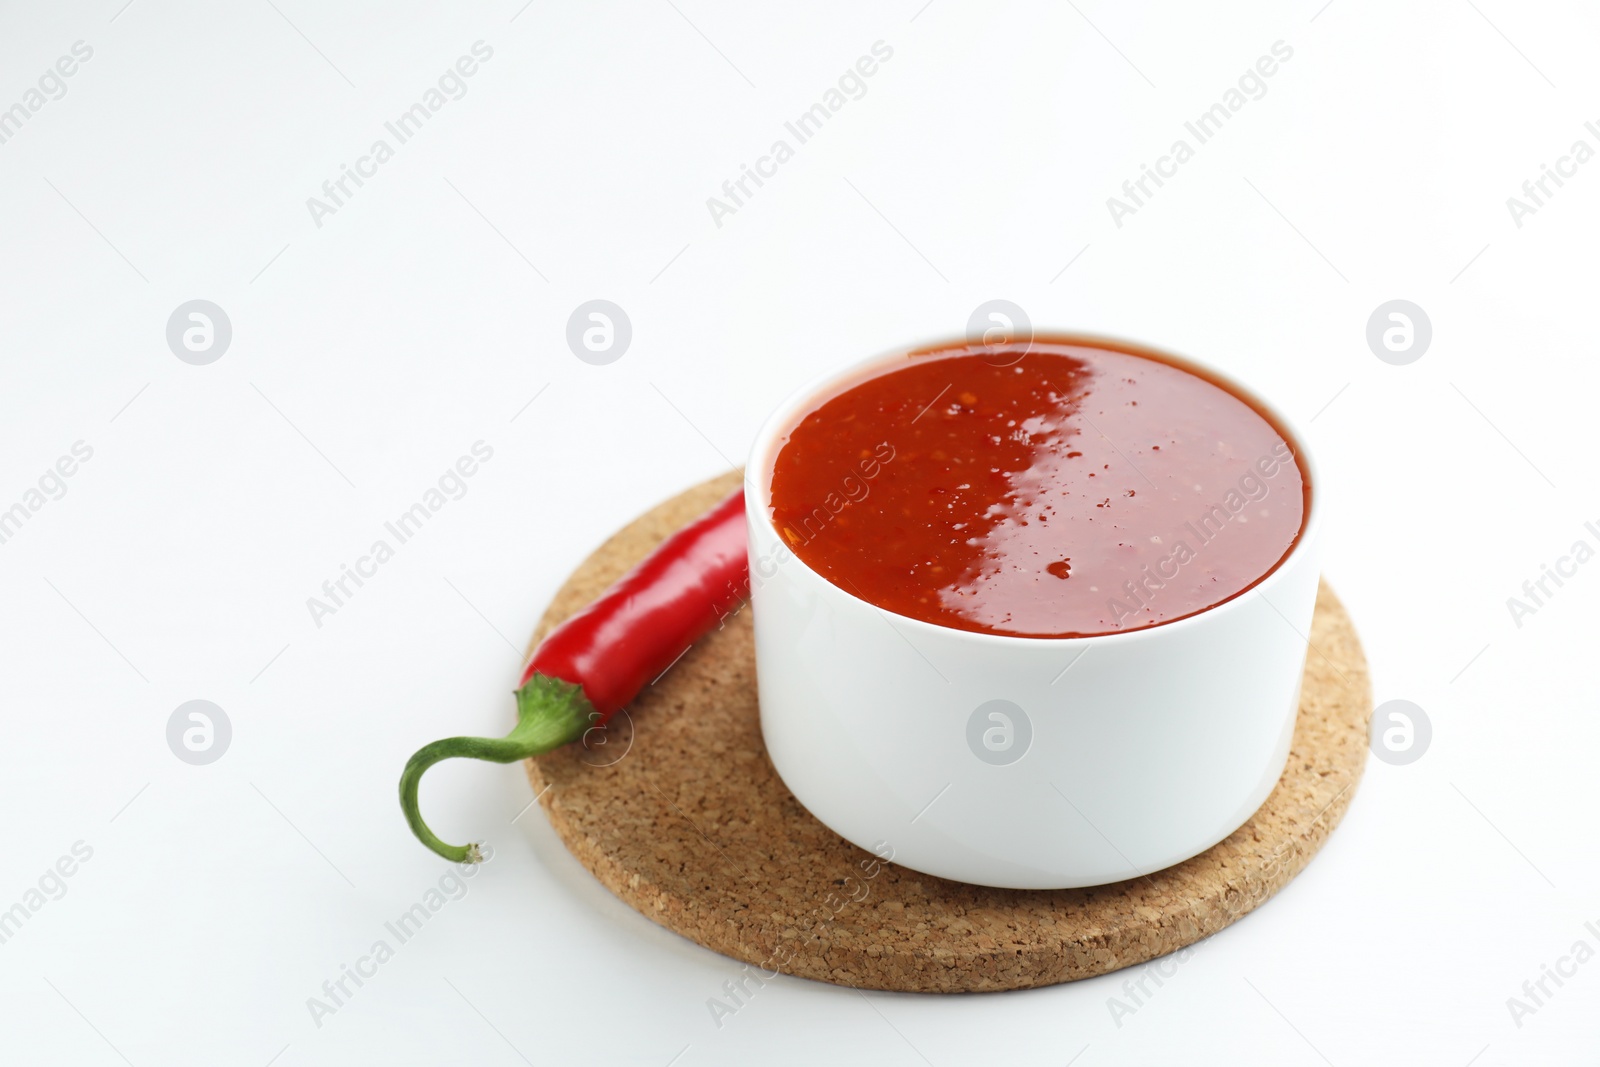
point(1064, 490)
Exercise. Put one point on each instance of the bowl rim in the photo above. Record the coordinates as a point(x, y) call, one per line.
point(763, 453)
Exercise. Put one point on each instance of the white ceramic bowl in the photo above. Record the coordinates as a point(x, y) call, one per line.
point(1026, 763)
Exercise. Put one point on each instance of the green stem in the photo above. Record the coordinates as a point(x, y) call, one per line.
point(550, 713)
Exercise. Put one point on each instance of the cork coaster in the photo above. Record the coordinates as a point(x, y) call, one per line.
point(681, 814)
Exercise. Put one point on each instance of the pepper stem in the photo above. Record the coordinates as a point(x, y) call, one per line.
point(550, 713)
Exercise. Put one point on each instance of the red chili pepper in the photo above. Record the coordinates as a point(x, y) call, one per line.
point(599, 659)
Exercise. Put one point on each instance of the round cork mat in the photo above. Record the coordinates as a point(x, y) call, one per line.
point(680, 813)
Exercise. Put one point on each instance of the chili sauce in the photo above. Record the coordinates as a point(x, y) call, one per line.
point(1064, 488)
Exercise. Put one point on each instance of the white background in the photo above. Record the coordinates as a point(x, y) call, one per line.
point(372, 351)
